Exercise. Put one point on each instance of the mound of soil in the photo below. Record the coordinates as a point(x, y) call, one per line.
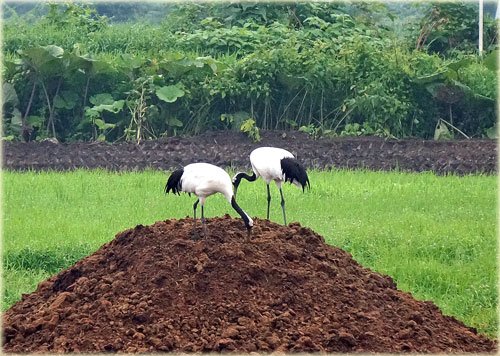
point(231, 149)
point(163, 288)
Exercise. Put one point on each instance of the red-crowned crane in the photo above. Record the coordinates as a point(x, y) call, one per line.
point(276, 164)
point(203, 180)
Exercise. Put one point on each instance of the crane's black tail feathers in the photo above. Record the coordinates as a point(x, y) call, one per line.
point(174, 182)
point(294, 171)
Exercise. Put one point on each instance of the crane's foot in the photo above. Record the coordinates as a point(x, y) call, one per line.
point(195, 235)
point(198, 232)
point(248, 235)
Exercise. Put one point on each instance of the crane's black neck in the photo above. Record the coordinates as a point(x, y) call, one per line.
point(240, 211)
point(240, 175)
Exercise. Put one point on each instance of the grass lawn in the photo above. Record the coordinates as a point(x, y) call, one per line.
point(435, 235)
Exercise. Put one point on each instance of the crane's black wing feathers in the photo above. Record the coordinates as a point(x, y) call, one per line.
point(293, 170)
point(174, 183)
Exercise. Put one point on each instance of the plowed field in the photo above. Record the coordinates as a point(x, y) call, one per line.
point(166, 288)
point(231, 149)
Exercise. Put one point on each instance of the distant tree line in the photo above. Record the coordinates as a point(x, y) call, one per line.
point(78, 72)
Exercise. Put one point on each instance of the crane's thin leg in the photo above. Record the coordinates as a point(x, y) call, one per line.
point(203, 221)
point(195, 205)
point(283, 205)
point(268, 200)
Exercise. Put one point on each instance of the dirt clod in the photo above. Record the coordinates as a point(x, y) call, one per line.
point(285, 290)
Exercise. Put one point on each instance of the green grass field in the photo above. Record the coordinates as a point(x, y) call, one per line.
point(436, 236)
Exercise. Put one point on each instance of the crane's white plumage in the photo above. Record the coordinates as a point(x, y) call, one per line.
point(274, 164)
point(266, 163)
point(203, 180)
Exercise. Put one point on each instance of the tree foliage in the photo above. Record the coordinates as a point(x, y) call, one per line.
point(323, 68)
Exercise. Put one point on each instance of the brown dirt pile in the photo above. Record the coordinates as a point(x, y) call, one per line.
point(154, 288)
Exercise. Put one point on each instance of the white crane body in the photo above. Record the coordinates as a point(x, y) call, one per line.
point(274, 164)
point(203, 180)
point(266, 163)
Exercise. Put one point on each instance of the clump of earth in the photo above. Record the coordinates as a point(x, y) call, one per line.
point(165, 287)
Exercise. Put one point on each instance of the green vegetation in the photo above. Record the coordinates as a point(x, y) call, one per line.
point(434, 235)
point(337, 68)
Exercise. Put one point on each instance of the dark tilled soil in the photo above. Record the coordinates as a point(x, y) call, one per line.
point(231, 149)
point(155, 288)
